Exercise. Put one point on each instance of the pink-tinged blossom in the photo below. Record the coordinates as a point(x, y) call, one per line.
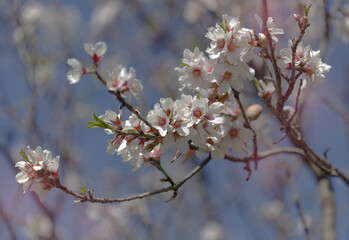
point(196, 70)
point(267, 89)
point(199, 109)
point(75, 74)
point(285, 62)
point(315, 68)
point(97, 51)
point(232, 76)
point(271, 28)
point(132, 151)
point(112, 118)
point(229, 41)
point(234, 138)
point(231, 110)
point(124, 82)
point(160, 116)
point(39, 166)
point(116, 79)
point(307, 61)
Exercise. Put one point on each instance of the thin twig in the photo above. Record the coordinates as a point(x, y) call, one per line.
point(266, 154)
point(7, 221)
point(296, 199)
point(248, 125)
point(297, 103)
point(175, 187)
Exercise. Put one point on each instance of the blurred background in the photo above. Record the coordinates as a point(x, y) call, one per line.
point(39, 107)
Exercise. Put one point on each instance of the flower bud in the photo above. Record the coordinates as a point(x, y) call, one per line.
point(297, 17)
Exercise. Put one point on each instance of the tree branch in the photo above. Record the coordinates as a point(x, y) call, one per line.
point(174, 188)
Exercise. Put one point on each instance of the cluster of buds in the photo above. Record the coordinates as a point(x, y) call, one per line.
point(301, 20)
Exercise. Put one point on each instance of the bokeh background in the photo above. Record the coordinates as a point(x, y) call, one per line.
point(39, 107)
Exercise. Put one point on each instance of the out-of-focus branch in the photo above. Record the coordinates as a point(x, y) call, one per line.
point(332, 106)
point(7, 221)
point(266, 154)
point(328, 210)
point(296, 199)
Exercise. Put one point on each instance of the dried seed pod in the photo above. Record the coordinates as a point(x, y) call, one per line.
point(253, 111)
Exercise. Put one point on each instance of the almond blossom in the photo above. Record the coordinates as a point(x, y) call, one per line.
point(271, 28)
point(96, 51)
point(306, 61)
point(38, 165)
point(229, 41)
point(286, 56)
point(267, 89)
point(75, 74)
point(124, 82)
point(196, 70)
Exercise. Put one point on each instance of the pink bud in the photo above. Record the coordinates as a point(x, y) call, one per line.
point(297, 17)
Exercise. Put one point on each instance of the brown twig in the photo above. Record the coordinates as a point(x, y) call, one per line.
point(174, 188)
point(266, 154)
point(248, 125)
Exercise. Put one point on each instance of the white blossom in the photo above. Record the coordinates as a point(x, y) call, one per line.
point(38, 166)
point(97, 51)
point(196, 70)
point(271, 28)
point(124, 82)
point(75, 74)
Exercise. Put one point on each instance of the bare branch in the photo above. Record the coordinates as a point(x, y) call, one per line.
point(174, 188)
point(266, 154)
point(248, 125)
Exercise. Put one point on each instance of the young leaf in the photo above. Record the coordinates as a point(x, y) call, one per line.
point(256, 83)
point(306, 9)
point(24, 156)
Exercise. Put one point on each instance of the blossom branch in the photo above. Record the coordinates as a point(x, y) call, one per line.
point(309, 155)
point(124, 103)
point(273, 58)
point(294, 77)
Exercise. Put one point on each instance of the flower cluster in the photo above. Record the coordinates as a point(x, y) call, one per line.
point(124, 82)
point(38, 165)
point(211, 119)
point(229, 51)
point(307, 62)
point(184, 123)
point(118, 80)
